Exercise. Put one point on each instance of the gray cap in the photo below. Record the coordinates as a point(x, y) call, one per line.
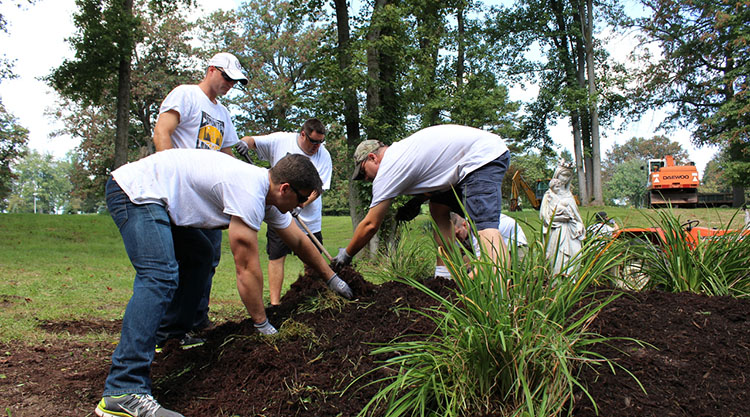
point(360, 154)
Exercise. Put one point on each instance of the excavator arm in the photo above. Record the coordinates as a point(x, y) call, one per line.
point(518, 185)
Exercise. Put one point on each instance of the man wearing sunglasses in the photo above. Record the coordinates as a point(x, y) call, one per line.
point(191, 117)
point(308, 142)
point(202, 190)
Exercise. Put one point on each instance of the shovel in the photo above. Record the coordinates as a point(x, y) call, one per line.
point(313, 238)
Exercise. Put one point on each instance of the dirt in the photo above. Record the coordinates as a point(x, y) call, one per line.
point(696, 361)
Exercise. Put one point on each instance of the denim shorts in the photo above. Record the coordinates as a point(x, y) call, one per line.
point(480, 193)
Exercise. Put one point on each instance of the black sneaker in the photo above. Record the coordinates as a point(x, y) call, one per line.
point(135, 405)
point(189, 341)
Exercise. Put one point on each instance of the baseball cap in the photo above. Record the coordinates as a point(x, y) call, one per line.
point(230, 64)
point(602, 217)
point(360, 154)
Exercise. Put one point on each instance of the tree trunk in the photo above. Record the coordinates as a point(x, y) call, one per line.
point(461, 48)
point(123, 97)
point(596, 168)
point(578, 150)
point(351, 108)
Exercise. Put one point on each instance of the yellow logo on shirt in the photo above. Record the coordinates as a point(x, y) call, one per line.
point(211, 133)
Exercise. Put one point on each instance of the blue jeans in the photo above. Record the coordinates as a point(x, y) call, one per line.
point(147, 235)
point(194, 252)
point(201, 318)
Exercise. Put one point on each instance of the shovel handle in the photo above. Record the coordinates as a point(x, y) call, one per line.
point(313, 238)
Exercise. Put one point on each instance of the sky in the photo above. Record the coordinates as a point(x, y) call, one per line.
point(36, 40)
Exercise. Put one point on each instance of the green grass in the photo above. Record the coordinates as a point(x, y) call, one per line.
point(74, 267)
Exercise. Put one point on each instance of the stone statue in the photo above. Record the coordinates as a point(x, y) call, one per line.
point(560, 217)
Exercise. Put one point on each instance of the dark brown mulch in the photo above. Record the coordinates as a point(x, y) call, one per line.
point(698, 366)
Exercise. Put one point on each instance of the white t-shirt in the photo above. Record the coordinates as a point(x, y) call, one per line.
point(203, 124)
point(433, 159)
point(201, 189)
point(508, 227)
point(600, 229)
point(275, 146)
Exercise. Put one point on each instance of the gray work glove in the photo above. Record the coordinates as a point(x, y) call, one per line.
point(340, 287)
point(342, 259)
point(295, 211)
point(243, 150)
point(265, 328)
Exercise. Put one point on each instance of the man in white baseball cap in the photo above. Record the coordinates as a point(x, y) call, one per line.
point(191, 117)
point(231, 66)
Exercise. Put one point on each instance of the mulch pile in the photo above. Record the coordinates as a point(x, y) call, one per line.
point(696, 361)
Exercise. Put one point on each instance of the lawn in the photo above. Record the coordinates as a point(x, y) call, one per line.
point(75, 266)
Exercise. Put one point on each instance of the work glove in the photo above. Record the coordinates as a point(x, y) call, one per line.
point(266, 328)
point(410, 210)
point(340, 287)
point(243, 149)
point(295, 211)
point(342, 259)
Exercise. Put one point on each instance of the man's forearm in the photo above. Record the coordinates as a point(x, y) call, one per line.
point(251, 289)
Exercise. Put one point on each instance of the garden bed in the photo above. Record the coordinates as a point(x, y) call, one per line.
point(698, 364)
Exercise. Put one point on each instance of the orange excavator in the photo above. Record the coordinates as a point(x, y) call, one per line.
point(517, 185)
point(670, 184)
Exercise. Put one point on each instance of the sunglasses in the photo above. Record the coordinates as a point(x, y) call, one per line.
point(314, 142)
point(301, 198)
point(226, 77)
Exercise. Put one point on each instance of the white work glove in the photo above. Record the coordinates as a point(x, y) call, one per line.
point(265, 328)
point(340, 287)
point(295, 211)
point(243, 149)
point(342, 259)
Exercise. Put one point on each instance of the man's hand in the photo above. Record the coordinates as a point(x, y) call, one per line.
point(266, 328)
point(342, 259)
point(411, 209)
point(243, 150)
point(340, 287)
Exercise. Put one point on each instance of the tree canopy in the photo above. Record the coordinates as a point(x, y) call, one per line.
point(701, 74)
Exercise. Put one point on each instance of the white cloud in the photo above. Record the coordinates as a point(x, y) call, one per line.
point(37, 41)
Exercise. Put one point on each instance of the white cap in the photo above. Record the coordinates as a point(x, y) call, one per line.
point(230, 64)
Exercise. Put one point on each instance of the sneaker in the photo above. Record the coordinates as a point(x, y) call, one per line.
point(134, 405)
point(189, 341)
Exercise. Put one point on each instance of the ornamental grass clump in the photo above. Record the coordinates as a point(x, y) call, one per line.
point(507, 343)
point(712, 265)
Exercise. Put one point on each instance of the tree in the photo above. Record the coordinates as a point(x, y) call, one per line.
point(627, 184)
point(41, 185)
point(276, 44)
point(13, 139)
point(701, 77)
point(108, 34)
point(162, 60)
point(713, 180)
point(577, 79)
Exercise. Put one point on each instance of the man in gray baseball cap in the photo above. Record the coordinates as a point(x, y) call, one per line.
point(439, 162)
